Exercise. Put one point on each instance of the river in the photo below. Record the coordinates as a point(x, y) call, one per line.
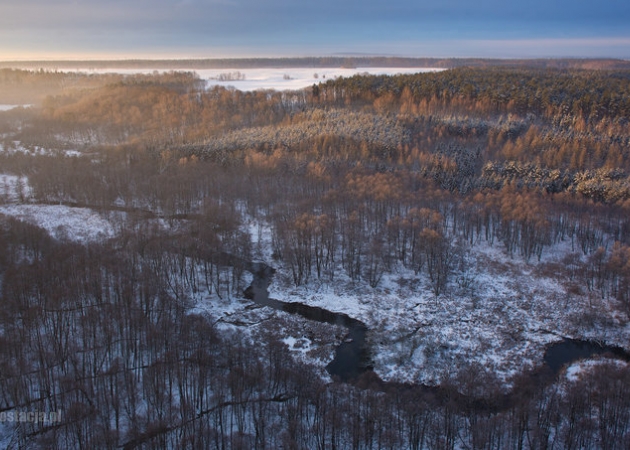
point(352, 356)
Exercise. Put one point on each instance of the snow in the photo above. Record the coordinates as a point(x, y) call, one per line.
point(4, 107)
point(310, 342)
point(14, 188)
point(63, 222)
point(577, 370)
point(294, 78)
point(72, 153)
point(60, 221)
point(278, 79)
point(17, 147)
point(502, 322)
point(500, 319)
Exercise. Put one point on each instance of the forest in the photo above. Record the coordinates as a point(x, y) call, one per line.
point(317, 61)
point(470, 218)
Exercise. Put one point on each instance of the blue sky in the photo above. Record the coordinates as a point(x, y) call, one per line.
point(48, 29)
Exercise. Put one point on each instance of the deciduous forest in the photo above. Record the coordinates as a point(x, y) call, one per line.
point(411, 193)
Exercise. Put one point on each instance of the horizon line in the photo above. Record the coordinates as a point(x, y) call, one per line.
point(339, 56)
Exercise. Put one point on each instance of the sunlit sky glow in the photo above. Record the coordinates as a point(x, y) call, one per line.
point(100, 29)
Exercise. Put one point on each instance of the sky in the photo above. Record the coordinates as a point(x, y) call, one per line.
point(104, 29)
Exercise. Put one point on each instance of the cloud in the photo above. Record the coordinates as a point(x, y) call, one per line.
point(51, 13)
point(335, 25)
point(567, 47)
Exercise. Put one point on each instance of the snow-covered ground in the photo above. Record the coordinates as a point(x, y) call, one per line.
point(500, 316)
point(311, 342)
point(60, 221)
point(14, 188)
point(4, 107)
point(279, 79)
point(17, 147)
point(573, 372)
point(63, 222)
point(293, 79)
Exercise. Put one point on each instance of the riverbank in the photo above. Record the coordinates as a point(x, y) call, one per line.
point(500, 315)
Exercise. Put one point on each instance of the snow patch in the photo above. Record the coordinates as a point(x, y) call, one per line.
point(63, 222)
point(580, 369)
point(14, 188)
point(502, 320)
point(4, 107)
point(15, 147)
point(279, 79)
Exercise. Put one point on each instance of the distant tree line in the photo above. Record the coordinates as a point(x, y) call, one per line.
point(323, 62)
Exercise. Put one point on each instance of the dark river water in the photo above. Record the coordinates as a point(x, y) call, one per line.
point(567, 351)
point(352, 357)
